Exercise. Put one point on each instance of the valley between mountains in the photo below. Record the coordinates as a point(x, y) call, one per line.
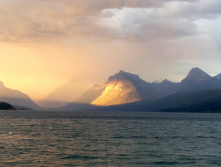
point(197, 92)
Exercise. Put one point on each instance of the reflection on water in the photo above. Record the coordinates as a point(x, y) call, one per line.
point(109, 139)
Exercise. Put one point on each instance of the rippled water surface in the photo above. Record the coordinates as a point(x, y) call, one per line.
point(109, 139)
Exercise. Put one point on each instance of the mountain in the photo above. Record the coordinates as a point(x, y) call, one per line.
point(64, 94)
point(166, 87)
point(198, 80)
point(121, 88)
point(196, 75)
point(15, 97)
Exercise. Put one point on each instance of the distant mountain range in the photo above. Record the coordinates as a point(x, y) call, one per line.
point(127, 92)
point(123, 88)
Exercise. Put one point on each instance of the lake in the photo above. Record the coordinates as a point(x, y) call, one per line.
point(31, 138)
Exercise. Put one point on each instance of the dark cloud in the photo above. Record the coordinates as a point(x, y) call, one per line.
point(22, 20)
point(146, 24)
point(193, 11)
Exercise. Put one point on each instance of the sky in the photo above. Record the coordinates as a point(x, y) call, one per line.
point(45, 43)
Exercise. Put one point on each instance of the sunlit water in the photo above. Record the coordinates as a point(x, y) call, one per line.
point(109, 139)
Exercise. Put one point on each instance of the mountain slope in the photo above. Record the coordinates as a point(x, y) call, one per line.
point(124, 88)
point(90, 95)
point(166, 87)
point(196, 101)
point(218, 76)
point(64, 94)
point(15, 97)
point(196, 75)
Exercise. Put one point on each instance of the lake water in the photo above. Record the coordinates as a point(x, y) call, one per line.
point(109, 139)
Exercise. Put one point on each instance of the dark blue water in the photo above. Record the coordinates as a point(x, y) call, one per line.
point(109, 139)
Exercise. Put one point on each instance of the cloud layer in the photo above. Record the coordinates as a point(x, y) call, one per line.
point(140, 19)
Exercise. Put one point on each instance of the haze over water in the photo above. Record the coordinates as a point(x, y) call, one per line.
point(109, 139)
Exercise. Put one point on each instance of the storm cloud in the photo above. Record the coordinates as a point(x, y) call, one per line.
point(139, 19)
